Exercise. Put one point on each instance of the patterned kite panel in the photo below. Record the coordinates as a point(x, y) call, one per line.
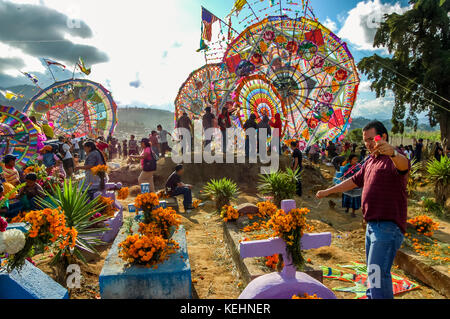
point(17, 136)
point(79, 107)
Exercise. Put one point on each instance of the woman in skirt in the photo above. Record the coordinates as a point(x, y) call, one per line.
point(351, 199)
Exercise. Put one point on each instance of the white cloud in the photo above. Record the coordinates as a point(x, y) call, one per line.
point(330, 24)
point(380, 108)
point(138, 36)
point(364, 86)
point(362, 22)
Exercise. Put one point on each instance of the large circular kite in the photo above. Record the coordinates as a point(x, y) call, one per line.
point(204, 87)
point(310, 68)
point(79, 107)
point(289, 65)
point(17, 136)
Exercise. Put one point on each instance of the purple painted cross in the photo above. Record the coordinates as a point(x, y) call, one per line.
point(289, 282)
point(272, 246)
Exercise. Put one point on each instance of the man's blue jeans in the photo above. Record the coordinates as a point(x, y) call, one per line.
point(383, 239)
point(187, 202)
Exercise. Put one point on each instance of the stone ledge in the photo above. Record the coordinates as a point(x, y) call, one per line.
point(249, 268)
point(439, 280)
point(171, 280)
point(30, 283)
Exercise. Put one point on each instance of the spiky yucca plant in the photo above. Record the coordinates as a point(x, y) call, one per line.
point(78, 210)
point(439, 173)
point(281, 185)
point(222, 190)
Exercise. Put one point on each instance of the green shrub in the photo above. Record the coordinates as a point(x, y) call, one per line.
point(414, 177)
point(439, 174)
point(281, 185)
point(222, 190)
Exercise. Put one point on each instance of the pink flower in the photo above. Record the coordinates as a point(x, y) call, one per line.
point(327, 97)
point(318, 62)
point(3, 225)
point(269, 35)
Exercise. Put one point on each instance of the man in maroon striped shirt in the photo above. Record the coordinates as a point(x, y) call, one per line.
point(383, 178)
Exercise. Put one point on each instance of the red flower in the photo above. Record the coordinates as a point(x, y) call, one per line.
point(3, 225)
point(341, 75)
point(256, 58)
point(292, 47)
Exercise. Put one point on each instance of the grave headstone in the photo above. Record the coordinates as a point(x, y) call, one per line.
point(289, 281)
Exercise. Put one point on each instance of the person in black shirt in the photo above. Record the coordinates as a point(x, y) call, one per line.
point(438, 151)
point(418, 151)
point(250, 123)
point(175, 186)
point(297, 159)
point(363, 153)
point(331, 150)
point(208, 122)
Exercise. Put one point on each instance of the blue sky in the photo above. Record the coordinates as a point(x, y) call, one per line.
point(144, 50)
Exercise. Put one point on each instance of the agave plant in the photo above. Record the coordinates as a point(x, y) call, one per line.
point(222, 190)
point(439, 174)
point(78, 211)
point(281, 185)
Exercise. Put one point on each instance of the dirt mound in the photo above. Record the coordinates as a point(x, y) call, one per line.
point(245, 175)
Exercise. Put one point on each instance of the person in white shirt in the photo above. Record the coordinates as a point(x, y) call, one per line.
point(68, 163)
point(163, 142)
point(75, 144)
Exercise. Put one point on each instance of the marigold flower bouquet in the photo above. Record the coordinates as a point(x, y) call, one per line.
point(100, 171)
point(290, 228)
point(306, 296)
point(424, 225)
point(152, 243)
point(47, 228)
point(123, 193)
point(229, 213)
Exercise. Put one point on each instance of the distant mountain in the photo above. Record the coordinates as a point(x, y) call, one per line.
point(360, 122)
point(146, 118)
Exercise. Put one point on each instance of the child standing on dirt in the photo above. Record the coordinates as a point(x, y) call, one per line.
point(351, 199)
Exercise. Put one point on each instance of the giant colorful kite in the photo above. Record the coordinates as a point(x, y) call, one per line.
point(17, 136)
point(281, 61)
point(79, 107)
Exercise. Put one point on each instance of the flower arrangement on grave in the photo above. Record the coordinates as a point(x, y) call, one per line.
point(162, 194)
point(424, 225)
point(273, 262)
point(123, 193)
point(290, 228)
point(196, 203)
point(229, 213)
point(306, 296)
point(49, 183)
point(152, 244)
point(107, 204)
point(146, 202)
point(266, 209)
point(47, 228)
point(100, 171)
point(74, 205)
point(147, 250)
